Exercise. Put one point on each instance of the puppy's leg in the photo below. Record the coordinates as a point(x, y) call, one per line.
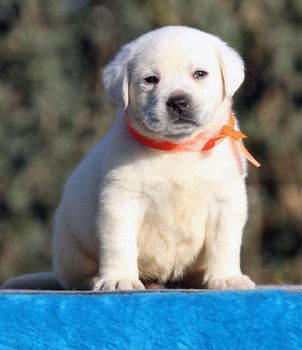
point(74, 266)
point(223, 242)
point(120, 218)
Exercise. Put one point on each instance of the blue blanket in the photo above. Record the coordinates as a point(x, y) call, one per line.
point(249, 320)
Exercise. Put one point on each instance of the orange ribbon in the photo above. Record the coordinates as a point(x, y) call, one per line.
point(236, 136)
point(196, 144)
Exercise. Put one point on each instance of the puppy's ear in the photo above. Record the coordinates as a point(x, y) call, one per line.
point(115, 77)
point(232, 68)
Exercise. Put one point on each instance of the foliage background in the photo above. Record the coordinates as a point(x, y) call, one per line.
point(53, 109)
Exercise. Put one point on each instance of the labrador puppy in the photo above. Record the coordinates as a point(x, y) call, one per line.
point(142, 207)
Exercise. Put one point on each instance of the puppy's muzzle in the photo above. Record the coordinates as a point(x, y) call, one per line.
point(179, 105)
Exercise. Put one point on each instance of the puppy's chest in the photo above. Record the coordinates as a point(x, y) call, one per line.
point(174, 225)
point(177, 201)
point(180, 185)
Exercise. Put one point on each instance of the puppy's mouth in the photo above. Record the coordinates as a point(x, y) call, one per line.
point(176, 128)
point(185, 121)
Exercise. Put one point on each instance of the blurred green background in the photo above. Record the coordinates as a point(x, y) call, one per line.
point(53, 110)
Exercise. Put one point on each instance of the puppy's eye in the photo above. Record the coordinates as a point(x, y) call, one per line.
point(151, 80)
point(199, 74)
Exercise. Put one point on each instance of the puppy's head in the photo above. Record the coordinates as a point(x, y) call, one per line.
point(173, 80)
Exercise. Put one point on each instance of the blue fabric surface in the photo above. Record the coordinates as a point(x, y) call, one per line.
point(152, 320)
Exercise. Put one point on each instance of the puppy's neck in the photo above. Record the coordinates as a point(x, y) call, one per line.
point(219, 117)
point(196, 143)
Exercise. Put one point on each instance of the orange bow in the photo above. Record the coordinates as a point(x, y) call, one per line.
point(236, 136)
point(195, 145)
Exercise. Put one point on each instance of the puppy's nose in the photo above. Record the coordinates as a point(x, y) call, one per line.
point(178, 103)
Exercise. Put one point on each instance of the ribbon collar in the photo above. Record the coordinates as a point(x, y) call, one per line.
point(196, 144)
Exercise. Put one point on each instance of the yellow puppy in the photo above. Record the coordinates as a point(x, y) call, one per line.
point(131, 212)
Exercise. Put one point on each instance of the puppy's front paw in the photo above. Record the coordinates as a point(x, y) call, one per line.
point(236, 282)
point(117, 284)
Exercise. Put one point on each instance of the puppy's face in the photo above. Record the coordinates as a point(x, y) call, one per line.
point(175, 87)
point(172, 81)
